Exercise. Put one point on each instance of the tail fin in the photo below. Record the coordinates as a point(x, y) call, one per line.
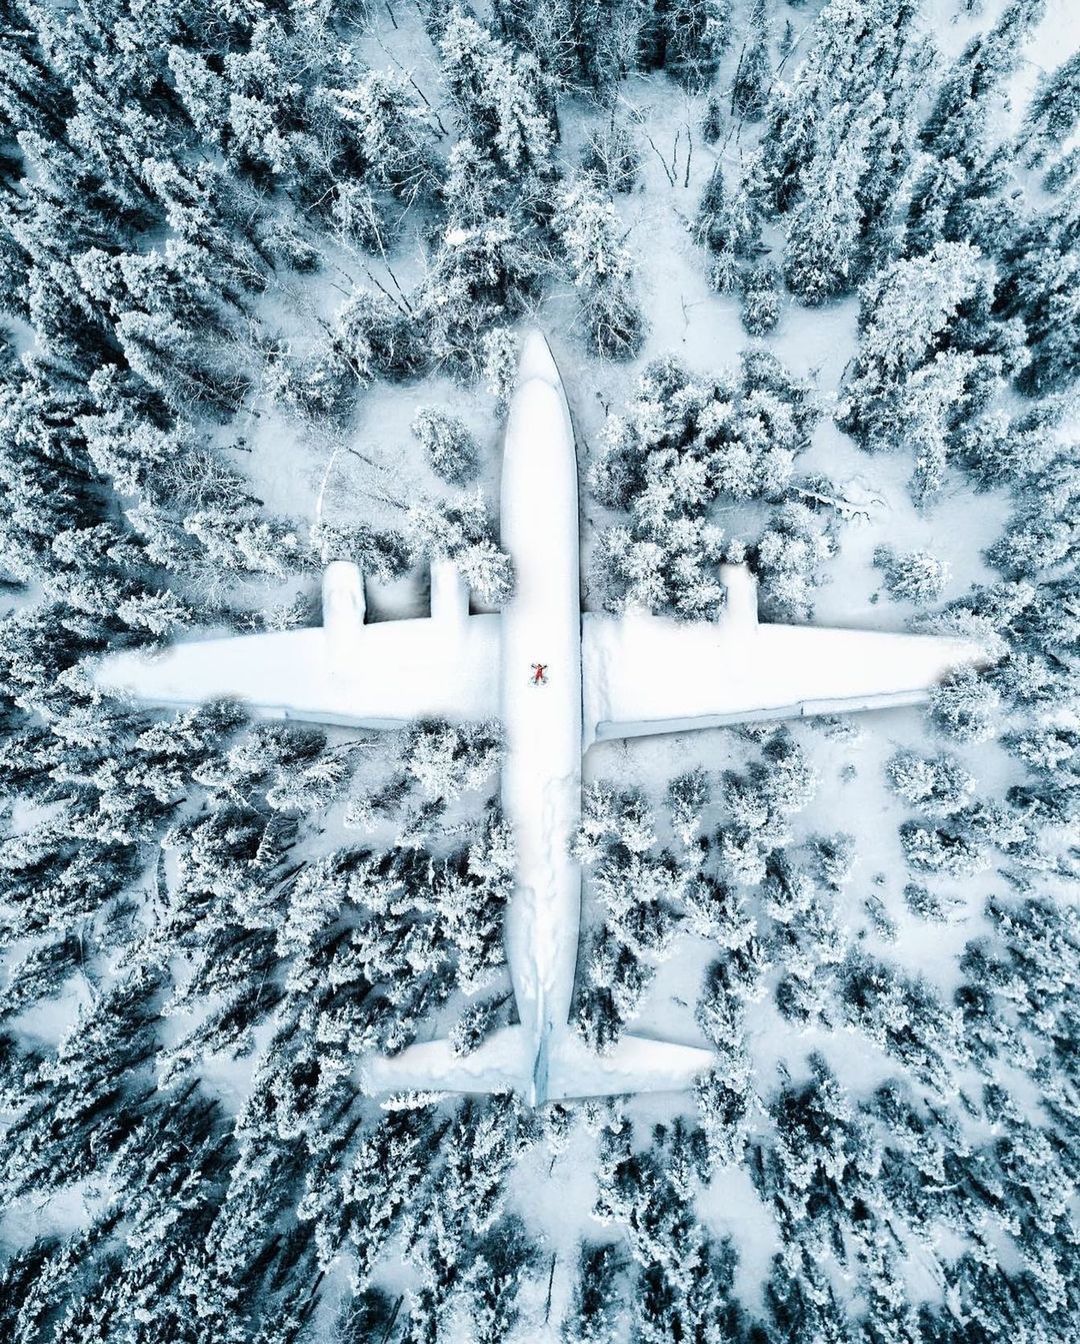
point(636, 1064)
point(503, 1063)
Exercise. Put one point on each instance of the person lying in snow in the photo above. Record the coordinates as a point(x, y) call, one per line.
point(539, 676)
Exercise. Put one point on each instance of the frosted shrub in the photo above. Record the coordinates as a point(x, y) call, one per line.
point(760, 804)
point(1042, 533)
point(491, 256)
point(717, 910)
point(932, 784)
point(965, 706)
point(1047, 750)
point(637, 887)
point(999, 448)
point(822, 249)
point(724, 273)
point(913, 576)
point(450, 449)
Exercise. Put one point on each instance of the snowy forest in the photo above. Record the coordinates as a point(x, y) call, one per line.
point(811, 272)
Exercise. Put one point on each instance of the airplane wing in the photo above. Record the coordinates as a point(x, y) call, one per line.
point(381, 675)
point(648, 674)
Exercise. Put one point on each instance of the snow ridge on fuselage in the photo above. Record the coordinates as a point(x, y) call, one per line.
point(541, 778)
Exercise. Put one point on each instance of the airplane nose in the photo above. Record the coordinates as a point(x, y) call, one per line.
point(536, 360)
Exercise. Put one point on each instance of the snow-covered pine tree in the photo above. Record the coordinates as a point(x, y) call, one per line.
point(594, 1315)
point(450, 449)
point(753, 73)
point(760, 300)
point(937, 784)
point(822, 252)
point(1039, 288)
point(599, 267)
point(686, 38)
point(916, 577)
point(1053, 111)
point(931, 354)
point(463, 533)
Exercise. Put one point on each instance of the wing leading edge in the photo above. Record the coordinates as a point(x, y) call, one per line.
point(647, 674)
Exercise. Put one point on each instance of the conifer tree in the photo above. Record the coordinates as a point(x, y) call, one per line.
point(750, 86)
point(599, 267)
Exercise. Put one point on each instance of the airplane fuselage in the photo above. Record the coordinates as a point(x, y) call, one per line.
point(541, 627)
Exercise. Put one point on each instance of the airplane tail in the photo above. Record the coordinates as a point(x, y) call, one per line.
point(560, 1068)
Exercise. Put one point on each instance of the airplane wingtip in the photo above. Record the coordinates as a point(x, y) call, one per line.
point(118, 674)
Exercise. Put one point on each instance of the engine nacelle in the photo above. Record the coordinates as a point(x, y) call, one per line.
point(343, 609)
point(742, 604)
point(449, 592)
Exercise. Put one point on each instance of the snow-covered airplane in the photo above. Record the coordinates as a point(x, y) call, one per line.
point(606, 677)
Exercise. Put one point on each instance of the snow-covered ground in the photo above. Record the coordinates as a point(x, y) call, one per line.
point(372, 470)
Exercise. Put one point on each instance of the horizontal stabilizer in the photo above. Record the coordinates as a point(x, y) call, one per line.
point(507, 1061)
point(636, 1064)
point(502, 1063)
